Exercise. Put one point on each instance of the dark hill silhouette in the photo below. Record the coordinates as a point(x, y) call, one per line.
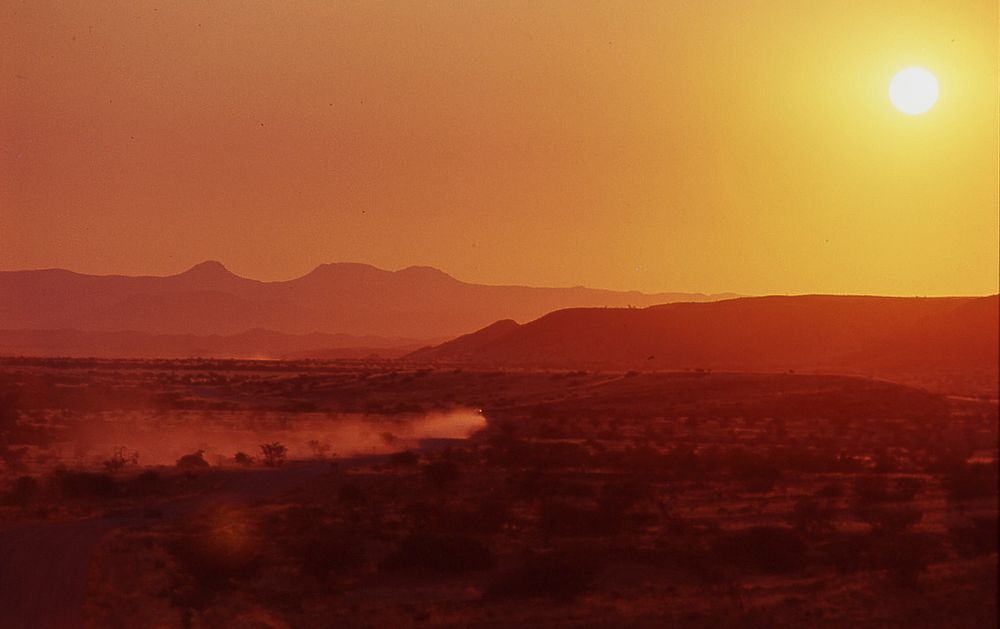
point(346, 298)
point(814, 332)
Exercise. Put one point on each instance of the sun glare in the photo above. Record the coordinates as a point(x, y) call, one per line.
point(913, 91)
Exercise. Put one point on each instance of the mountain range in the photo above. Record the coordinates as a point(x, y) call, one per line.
point(345, 300)
point(349, 310)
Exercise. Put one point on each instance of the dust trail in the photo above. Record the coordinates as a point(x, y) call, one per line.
point(162, 439)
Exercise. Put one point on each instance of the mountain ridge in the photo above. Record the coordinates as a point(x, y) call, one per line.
point(417, 302)
point(842, 334)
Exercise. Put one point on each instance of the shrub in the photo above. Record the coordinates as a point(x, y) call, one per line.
point(831, 490)
point(14, 458)
point(441, 472)
point(686, 547)
point(766, 549)
point(320, 449)
point(969, 482)
point(440, 554)
point(120, 459)
point(810, 516)
point(148, 477)
point(870, 489)
point(683, 463)
point(907, 488)
point(405, 458)
point(618, 497)
point(487, 516)
point(274, 453)
point(889, 520)
point(308, 538)
point(561, 518)
point(192, 461)
point(322, 555)
point(905, 556)
point(558, 575)
point(24, 490)
point(146, 482)
point(350, 493)
point(85, 484)
point(242, 458)
point(757, 473)
point(885, 461)
point(847, 552)
point(8, 413)
point(975, 539)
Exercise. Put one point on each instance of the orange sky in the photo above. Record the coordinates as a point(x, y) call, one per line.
point(741, 146)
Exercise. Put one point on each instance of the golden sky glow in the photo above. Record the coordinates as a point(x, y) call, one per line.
point(741, 146)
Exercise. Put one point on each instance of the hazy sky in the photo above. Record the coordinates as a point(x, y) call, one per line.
point(732, 145)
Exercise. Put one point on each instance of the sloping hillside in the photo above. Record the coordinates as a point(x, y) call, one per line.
point(841, 333)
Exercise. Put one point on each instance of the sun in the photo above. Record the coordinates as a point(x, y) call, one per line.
point(913, 91)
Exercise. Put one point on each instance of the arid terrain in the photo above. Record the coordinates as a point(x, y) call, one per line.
point(562, 314)
point(137, 494)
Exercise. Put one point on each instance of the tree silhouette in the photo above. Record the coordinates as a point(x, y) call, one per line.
point(274, 453)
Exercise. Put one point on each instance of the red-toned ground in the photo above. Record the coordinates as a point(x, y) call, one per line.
point(584, 499)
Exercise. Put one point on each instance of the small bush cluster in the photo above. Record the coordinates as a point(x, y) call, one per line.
point(439, 554)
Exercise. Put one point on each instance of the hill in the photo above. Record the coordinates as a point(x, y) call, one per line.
point(842, 334)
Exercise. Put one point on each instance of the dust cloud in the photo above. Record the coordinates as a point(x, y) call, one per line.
point(162, 439)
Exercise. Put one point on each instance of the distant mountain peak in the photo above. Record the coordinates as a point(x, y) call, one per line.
point(356, 268)
point(326, 266)
point(426, 272)
point(361, 270)
point(208, 267)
